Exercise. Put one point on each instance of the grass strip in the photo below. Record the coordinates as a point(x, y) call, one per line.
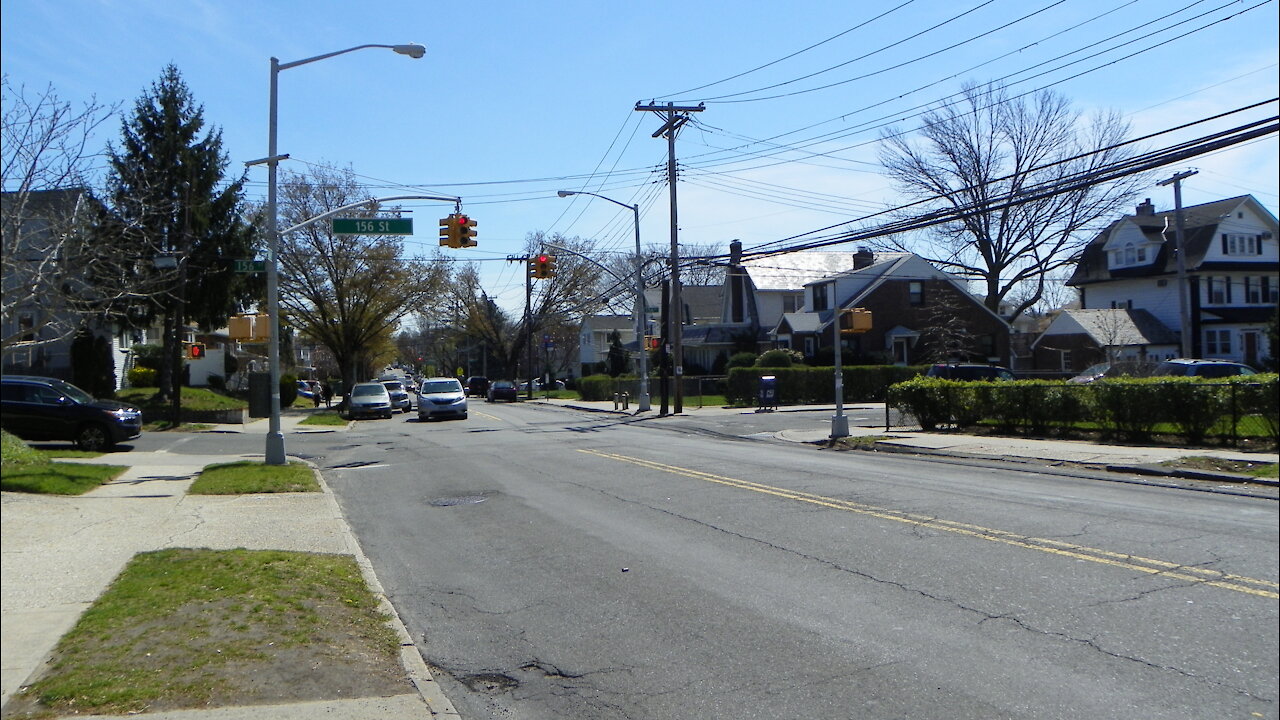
point(186, 628)
point(246, 477)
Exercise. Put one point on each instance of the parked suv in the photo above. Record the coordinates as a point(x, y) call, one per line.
point(477, 386)
point(41, 408)
point(1184, 367)
point(969, 371)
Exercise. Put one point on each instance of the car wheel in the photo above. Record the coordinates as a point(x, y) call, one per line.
point(93, 438)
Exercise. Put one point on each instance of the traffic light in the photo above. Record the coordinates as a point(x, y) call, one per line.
point(466, 232)
point(542, 266)
point(196, 351)
point(449, 232)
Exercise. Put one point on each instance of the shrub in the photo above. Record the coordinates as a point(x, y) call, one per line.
point(217, 382)
point(776, 358)
point(926, 399)
point(742, 359)
point(1260, 395)
point(148, 356)
point(1193, 405)
point(288, 390)
point(596, 387)
point(1128, 407)
point(143, 377)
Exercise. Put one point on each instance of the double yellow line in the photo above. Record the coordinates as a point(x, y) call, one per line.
point(1151, 566)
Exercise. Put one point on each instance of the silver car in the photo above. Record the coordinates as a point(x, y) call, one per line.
point(441, 397)
point(370, 399)
point(399, 396)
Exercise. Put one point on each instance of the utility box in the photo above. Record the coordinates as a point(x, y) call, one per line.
point(259, 395)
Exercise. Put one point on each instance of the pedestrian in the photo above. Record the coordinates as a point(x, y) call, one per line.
point(327, 392)
point(316, 392)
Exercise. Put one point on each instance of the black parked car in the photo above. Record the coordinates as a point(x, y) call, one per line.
point(969, 371)
point(503, 390)
point(41, 408)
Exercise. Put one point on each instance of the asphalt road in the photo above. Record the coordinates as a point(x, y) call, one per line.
point(554, 563)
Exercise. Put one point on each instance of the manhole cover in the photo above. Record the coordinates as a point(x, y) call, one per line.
point(490, 682)
point(463, 500)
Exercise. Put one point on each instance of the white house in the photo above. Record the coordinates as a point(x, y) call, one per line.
point(1232, 268)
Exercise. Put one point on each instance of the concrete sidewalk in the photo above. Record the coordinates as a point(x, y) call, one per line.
point(1139, 459)
point(60, 553)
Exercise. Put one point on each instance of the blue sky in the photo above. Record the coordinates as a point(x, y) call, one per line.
point(516, 100)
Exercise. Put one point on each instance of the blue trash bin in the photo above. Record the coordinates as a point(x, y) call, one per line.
point(768, 393)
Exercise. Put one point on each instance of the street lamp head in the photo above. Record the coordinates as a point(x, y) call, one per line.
point(565, 193)
point(413, 50)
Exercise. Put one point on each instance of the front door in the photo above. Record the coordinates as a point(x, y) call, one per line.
point(1250, 340)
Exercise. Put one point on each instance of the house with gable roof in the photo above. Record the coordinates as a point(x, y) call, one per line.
point(1076, 339)
point(908, 298)
point(1232, 269)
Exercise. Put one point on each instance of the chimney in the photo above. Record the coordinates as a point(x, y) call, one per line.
point(735, 252)
point(862, 258)
point(1146, 208)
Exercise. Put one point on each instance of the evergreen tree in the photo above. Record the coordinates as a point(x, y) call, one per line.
point(170, 199)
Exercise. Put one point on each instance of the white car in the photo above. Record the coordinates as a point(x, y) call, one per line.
point(441, 397)
point(370, 399)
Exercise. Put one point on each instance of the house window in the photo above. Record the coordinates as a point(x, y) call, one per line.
point(1219, 290)
point(809, 346)
point(1253, 290)
point(1142, 253)
point(1066, 361)
point(915, 292)
point(1217, 342)
point(26, 326)
point(1236, 244)
point(820, 297)
point(1270, 289)
point(790, 302)
point(1130, 255)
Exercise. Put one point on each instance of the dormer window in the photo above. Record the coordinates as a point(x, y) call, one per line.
point(1130, 254)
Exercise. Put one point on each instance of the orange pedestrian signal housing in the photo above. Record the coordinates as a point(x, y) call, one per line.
point(196, 351)
point(854, 321)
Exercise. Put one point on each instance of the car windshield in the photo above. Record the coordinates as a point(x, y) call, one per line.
point(441, 386)
point(394, 386)
point(502, 384)
point(72, 392)
point(363, 390)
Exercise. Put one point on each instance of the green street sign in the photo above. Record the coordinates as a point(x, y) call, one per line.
point(373, 226)
point(251, 266)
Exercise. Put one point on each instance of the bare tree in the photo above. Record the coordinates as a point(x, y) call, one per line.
point(44, 159)
point(347, 292)
point(988, 148)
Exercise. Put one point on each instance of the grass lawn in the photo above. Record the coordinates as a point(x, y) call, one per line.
point(184, 628)
point(192, 399)
point(26, 469)
point(240, 478)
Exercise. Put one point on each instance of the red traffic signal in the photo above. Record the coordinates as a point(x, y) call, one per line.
point(196, 351)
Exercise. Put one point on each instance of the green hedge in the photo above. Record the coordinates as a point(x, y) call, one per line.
point(801, 385)
point(1128, 408)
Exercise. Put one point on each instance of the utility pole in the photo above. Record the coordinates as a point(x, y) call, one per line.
point(1184, 313)
point(673, 117)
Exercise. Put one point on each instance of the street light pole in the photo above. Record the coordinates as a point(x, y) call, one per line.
point(275, 438)
point(643, 400)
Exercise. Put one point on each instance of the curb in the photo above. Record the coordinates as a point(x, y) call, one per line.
point(419, 674)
